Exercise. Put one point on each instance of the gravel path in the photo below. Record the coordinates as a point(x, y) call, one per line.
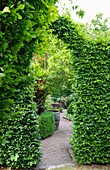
point(54, 148)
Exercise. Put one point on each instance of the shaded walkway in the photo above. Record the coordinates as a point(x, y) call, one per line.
point(54, 148)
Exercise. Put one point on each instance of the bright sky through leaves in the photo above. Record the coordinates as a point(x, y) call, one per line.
point(91, 8)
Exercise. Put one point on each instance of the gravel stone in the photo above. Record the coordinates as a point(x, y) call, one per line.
point(55, 147)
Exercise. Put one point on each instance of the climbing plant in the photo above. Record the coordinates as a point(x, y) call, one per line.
point(91, 65)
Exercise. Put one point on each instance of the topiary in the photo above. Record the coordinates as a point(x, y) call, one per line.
point(46, 124)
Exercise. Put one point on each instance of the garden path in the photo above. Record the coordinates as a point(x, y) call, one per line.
point(54, 148)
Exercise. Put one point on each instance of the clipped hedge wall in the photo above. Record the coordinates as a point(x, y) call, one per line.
point(91, 65)
point(92, 104)
point(23, 26)
point(70, 108)
point(70, 99)
point(20, 144)
point(46, 124)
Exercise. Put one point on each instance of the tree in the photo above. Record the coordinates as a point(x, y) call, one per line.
point(59, 68)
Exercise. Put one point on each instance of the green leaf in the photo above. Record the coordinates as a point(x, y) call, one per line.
point(32, 7)
point(80, 13)
point(33, 36)
point(6, 9)
point(16, 157)
point(12, 6)
point(3, 143)
point(76, 6)
point(1, 75)
point(21, 6)
point(19, 16)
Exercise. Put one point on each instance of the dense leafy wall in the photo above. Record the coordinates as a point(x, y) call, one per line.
point(23, 27)
point(91, 58)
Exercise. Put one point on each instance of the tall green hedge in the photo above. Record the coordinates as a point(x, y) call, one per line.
point(92, 105)
point(19, 145)
point(91, 64)
point(23, 27)
point(70, 109)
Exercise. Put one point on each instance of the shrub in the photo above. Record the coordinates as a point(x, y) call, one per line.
point(19, 132)
point(70, 109)
point(20, 146)
point(46, 124)
point(70, 99)
point(60, 109)
point(92, 104)
point(91, 65)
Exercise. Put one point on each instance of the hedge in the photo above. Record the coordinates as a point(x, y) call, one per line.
point(20, 144)
point(70, 109)
point(70, 99)
point(92, 103)
point(91, 65)
point(46, 124)
point(23, 26)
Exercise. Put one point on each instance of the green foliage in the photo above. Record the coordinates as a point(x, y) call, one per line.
point(18, 46)
point(70, 6)
point(70, 99)
point(98, 24)
point(91, 64)
point(46, 124)
point(70, 116)
point(48, 102)
point(19, 146)
point(91, 105)
point(70, 109)
point(60, 109)
point(80, 13)
point(23, 32)
point(59, 68)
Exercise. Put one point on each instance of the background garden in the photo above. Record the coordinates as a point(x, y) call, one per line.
point(46, 58)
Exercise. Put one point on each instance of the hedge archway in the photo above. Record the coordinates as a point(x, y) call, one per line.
point(91, 64)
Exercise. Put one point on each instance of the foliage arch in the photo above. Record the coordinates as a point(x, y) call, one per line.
point(91, 65)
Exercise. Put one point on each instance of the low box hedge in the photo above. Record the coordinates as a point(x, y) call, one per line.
point(46, 124)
